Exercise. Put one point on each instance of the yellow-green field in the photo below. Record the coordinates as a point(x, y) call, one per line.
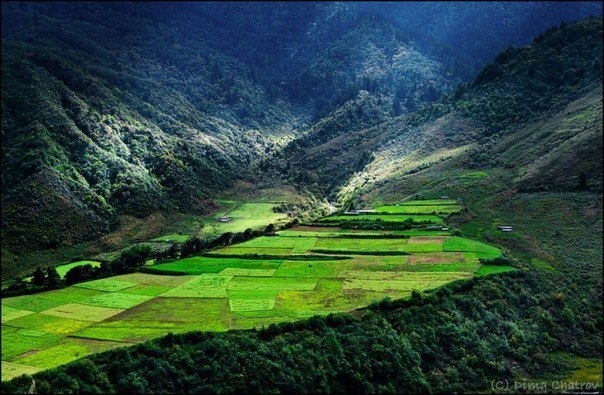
point(253, 284)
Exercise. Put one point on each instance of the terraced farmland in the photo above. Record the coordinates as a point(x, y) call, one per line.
point(299, 273)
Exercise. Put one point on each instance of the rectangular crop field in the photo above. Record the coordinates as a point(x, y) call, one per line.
point(232, 271)
point(428, 202)
point(50, 324)
point(240, 250)
point(251, 304)
point(386, 218)
point(202, 286)
point(419, 209)
point(272, 283)
point(107, 285)
point(362, 244)
point(309, 269)
point(117, 300)
point(455, 243)
point(215, 264)
point(82, 312)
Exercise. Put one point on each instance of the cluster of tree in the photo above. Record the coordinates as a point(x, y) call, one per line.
point(128, 261)
point(455, 339)
point(133, 259)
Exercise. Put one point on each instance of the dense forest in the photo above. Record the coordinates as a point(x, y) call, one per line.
point(130, 109)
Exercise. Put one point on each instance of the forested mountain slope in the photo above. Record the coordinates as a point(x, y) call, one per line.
point(503, 110)
point(133, 108)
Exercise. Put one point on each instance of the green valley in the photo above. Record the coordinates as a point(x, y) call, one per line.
point(270, 279)
point(301, 197)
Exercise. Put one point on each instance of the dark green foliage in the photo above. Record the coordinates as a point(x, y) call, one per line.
point(131, 259)
point(53, 278)
point(557, 65)
point(81, 273)
point(500, 260)
point(270, 230)
point(38, 277)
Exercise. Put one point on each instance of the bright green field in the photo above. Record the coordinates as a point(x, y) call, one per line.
point(249, 285)
point(428, 202)
point(423, 209)
point(243, 216)
point(386, 218)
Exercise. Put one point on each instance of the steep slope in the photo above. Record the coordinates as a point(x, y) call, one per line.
point(533, 111)
point(103, 120)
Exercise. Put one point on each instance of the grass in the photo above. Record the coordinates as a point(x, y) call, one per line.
point(588, 371)
point(82, 312)
point(11, 313)
point(419, 209)
point(385, 218)
point(65, 351)
point(243, 216)
point(428, 202)
point(308, 269)
point(176, 238)
point(202, 286)
point(273, 283)
point(362, 244)
point(202, 264)
point(22, 342)
point(456, 243)
point(116, 300)
point(251, 304)
point(50, 324)
point(11, 369)
point(107, 284)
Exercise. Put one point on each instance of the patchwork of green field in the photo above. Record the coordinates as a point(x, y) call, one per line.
point(385, 218)
point(249, 285)
point(428, 202)
point(419, 209)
